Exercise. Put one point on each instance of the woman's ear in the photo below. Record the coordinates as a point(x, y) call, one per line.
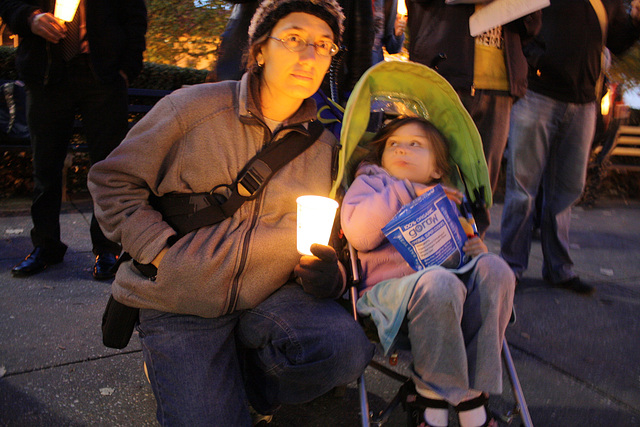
point(260, 59)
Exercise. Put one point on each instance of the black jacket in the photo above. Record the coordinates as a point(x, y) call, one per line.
point(564, 58)
point(115, 30)
point(436, 28)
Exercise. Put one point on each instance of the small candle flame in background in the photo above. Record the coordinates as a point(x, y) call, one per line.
point(605, 104)
point(66, 9)
point(402, 8)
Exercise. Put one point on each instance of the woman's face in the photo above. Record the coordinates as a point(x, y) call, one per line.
point(295, 75)
point(408, 155)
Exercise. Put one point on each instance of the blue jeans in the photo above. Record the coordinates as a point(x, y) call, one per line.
point(292, 348)
point(549, 142)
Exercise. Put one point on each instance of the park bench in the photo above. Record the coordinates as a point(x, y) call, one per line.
point(624, 154)
point(140, 102)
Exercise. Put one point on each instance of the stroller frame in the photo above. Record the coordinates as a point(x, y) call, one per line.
point(436, 103)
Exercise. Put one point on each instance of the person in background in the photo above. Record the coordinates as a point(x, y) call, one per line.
point(233, 44)
point(553, 126)
point(83, 66)
point(389, 27)
point(488, 72)
point(233, 315)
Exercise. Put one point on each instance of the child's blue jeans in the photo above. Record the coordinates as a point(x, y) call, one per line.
point(292, 348)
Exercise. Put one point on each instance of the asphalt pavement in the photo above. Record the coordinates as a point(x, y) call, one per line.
point(577, 357)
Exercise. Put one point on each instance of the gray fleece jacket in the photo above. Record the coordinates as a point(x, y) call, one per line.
point(191, 141)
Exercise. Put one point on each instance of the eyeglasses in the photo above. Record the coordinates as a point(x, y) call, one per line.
point(298, 44)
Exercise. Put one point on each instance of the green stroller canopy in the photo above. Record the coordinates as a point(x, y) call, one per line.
point(411, 89)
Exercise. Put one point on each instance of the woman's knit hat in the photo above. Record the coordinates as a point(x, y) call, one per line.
point(271, 11)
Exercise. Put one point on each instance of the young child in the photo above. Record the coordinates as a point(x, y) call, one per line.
point(454, 320)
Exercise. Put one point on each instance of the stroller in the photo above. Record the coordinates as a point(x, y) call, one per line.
point(388, 90)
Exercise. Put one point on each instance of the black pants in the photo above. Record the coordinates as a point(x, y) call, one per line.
point(51, 112)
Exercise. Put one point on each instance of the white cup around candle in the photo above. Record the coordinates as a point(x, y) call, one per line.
point(66, 9)
point(315, 221)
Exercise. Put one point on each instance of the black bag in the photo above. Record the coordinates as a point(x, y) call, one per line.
point(118, 322)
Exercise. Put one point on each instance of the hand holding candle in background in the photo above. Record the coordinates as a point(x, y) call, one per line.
point(47, 26)
point(401, 18)
point(51, 27)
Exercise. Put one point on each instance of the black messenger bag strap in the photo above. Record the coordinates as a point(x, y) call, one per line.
point(188, 212)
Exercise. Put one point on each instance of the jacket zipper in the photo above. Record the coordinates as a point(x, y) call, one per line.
point(235, 285)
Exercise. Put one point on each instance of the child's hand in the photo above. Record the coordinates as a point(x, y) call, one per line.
point(453, 194)
point(474, 247)
point(420, 189)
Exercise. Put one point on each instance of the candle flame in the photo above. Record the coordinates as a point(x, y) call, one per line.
point(402, 8)
point(66, 9)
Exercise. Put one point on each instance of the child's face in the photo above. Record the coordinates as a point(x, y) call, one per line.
point(408, 155)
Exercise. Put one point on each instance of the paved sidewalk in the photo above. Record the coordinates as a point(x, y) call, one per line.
point(578, 358)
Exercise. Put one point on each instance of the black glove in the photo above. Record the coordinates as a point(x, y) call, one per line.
point(320, 275)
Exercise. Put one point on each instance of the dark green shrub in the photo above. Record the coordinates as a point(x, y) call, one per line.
point(153, 76)
point(8, 63)
point(167, 77)
point(15, 166)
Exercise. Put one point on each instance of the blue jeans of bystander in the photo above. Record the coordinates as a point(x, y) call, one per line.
point(549, 142)
point(292, 348)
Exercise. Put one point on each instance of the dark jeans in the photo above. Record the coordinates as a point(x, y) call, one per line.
point(51, 111)
point(289, 349)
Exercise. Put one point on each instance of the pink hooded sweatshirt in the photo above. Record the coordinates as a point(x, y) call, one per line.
point(372, 200)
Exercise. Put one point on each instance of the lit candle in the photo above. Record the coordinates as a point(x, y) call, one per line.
point(315, 221)
point(605, 104)
point(66, 9)
point(402, 8)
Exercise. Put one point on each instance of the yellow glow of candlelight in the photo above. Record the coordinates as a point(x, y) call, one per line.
point(315, 221)
point(605, 105)
point(402, 8)
point(66, 9)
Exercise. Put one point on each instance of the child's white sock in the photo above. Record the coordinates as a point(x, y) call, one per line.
point(473, 417)
point(435, 417)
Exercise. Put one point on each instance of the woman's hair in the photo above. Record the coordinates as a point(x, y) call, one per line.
point(439, 144)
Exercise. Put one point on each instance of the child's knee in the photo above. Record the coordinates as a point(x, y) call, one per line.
point(495, 275)
point(439, 288)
